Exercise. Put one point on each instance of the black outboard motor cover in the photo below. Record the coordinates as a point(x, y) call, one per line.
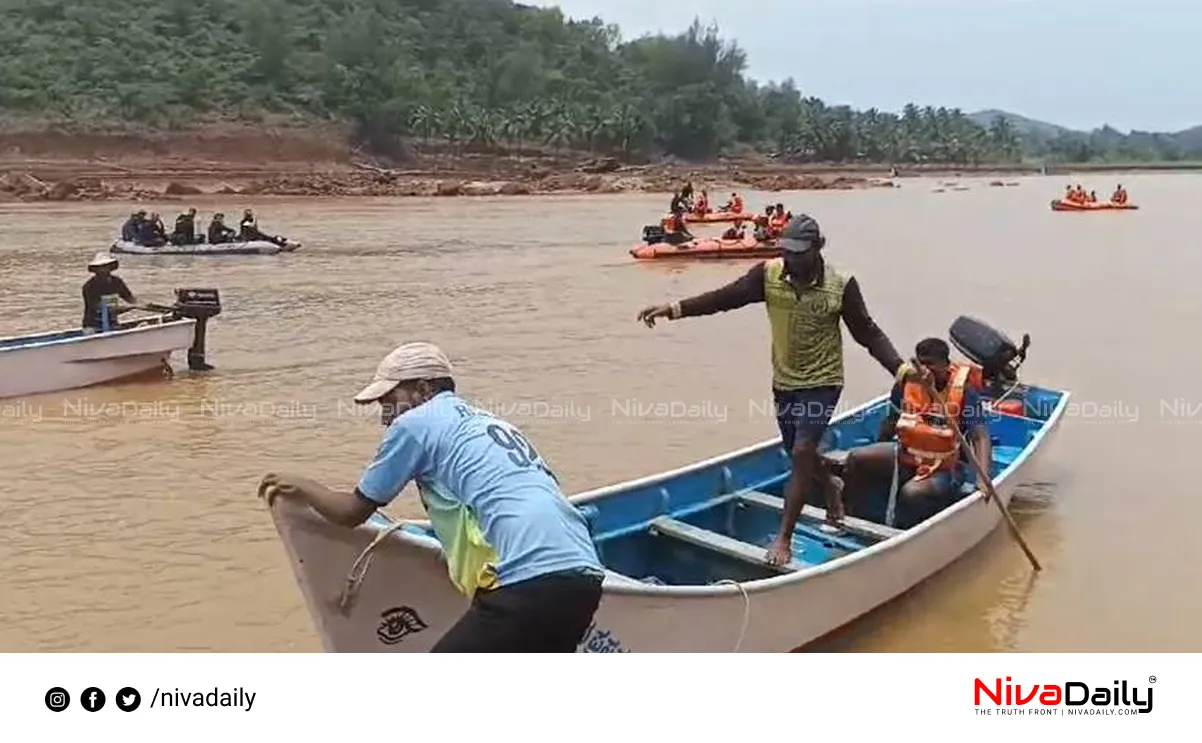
point(200, 304)
point(984, 346)
point(653, 234)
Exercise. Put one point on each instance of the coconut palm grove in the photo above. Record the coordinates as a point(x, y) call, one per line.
point(484, 74)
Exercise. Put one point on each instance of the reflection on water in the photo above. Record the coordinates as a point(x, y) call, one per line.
point(129, 510)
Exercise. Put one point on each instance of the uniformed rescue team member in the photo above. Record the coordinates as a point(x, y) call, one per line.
point(806, 298)
point(514, 544)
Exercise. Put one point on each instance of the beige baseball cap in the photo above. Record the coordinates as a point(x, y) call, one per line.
point(418, 360)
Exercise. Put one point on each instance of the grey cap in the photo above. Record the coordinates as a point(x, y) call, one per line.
point(801, 235)
point(411, 361)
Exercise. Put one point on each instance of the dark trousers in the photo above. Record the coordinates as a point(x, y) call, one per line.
point(548, 614)
point(804, 414)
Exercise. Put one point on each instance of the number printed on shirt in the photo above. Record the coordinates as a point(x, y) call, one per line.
point(521, 452)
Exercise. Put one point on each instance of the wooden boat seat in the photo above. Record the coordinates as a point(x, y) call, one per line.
point(864, 529)
point(719, 543)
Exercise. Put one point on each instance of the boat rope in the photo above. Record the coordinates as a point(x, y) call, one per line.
point(361, 565)
point(746, 611)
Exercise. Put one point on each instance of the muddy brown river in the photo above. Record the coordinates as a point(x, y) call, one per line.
point(129, 512)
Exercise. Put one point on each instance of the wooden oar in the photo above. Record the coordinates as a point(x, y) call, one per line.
point(982, 473)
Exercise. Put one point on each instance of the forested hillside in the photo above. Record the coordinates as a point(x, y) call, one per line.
point(484, 74)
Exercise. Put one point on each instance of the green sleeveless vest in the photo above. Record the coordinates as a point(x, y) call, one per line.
point(807, 336)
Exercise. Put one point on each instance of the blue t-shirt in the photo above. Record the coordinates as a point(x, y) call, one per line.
point(463, 457)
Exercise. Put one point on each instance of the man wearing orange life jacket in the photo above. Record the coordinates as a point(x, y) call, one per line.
point(702, 206)
point(1120, 195)
point(735, 205)
point(778, 220)
point(676, 228)
point(925, 463)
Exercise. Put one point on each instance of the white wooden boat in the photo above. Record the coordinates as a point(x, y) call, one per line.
point(252, 247)
point(684, 552)
point(68, 359)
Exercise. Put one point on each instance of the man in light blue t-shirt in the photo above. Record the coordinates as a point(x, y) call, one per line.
point(513, 542)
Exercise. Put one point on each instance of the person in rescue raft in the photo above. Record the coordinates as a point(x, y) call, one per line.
point(218, 232)
point(925, 462)
point(102, 295)
point(514, 544)
point(131, 230)
point(185, 229)
point(805, 298)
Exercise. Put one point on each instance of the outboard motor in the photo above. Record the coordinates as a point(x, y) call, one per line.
point(653, 234)
point(200, 305)
point(997, 355)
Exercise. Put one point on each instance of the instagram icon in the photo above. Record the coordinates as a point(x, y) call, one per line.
point(57, 699)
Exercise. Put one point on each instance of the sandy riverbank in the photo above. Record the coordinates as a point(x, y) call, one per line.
point(67, 166)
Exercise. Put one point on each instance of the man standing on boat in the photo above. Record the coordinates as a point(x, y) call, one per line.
point(805, 298)
point(102, 295)
point(513, 542)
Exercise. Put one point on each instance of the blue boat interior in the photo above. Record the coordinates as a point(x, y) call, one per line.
point(29, 340)
point(61, 336)
point(715, 524)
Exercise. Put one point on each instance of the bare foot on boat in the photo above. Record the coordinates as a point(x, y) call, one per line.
point(779, 553)
point(834, 502)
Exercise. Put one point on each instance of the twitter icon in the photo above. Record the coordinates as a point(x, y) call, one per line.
point(128, 699)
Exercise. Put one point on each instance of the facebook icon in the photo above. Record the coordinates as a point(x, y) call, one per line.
point(92, 699)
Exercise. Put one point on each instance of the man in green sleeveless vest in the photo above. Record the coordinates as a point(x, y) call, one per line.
point(805, 298)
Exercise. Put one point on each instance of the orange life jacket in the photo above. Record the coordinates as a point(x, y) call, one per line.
point(976, 377)
point(1120, 197)
point(736, 205)
point(777, 222)
point(927, 441)
point(702, 206)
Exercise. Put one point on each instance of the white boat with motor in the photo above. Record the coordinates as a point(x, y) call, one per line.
point(684, 550)
point(69, 359)
point(252, 247)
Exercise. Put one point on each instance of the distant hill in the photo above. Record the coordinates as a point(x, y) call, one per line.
point(1190, 139)
point(1022, 126)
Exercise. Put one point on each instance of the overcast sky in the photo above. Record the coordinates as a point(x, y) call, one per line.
point(1078, 63)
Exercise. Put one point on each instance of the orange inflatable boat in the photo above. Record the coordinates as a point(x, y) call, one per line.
point(710, 247)
point(1060, 205)
point(711, 218)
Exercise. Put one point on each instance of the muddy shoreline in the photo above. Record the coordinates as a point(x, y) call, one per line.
point(67, 166)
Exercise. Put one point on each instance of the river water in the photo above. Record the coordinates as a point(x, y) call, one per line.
point(129, 511)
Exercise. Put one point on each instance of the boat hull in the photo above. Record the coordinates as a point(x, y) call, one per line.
point(706, 249)
point(405, 601)
point(1059, 205)
point(711, 218)
point(253, 247)
point(64, 360)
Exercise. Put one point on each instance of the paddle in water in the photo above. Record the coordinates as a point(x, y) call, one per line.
point(983, 475)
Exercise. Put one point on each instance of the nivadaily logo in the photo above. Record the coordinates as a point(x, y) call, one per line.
point(1069, 697)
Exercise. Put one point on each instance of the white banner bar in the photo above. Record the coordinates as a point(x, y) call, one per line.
point(580, 698)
